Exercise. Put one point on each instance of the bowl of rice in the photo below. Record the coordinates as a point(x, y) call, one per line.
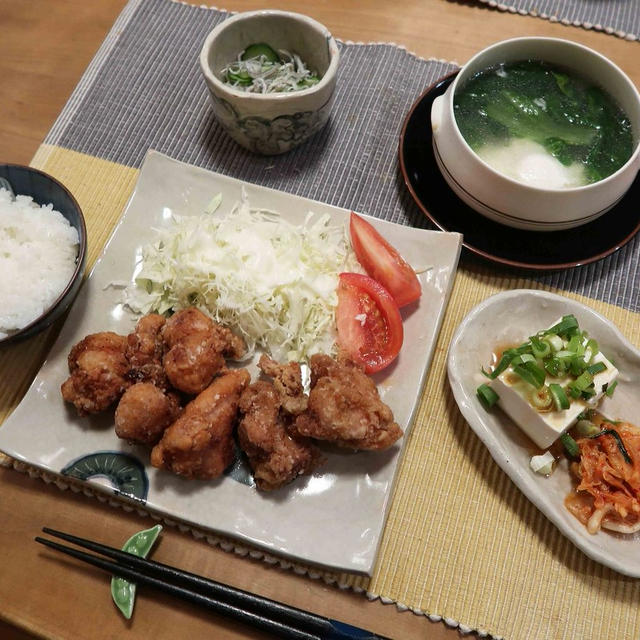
point(271, 75)
point(43, 241)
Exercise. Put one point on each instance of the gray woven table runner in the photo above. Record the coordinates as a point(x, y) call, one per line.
point(619, 17)
point(144, 90)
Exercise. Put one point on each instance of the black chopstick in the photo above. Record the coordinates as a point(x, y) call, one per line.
point(274, 617)
point(199, 584)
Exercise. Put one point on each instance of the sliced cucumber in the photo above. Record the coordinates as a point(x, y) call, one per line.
point(240, 77)
point(260, 49)
point(309, 81)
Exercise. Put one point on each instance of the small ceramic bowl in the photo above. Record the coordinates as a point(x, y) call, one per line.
point(46, 190)
point(514, 203)
point(275, 122)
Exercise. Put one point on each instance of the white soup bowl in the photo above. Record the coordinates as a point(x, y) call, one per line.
point(513, 203)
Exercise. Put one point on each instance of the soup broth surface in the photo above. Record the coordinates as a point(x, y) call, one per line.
point(542, 125)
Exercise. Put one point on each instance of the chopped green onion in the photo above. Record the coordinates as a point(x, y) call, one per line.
point(610, 388)
point(504, 362)
point(541, 399)
point(522, 359)
point(525, 347)
point(561, 352)
point(616, 435)
point(593, 345)
point(577, 366)
point(487, 396)
point(570, 445)
point(530, 372)
point(575, 345)
point(540, 348)
point(580, 384)
point(555, 342)
point(560, 399)
point(590, 350)
point(567, 326)
point(586, 428)
point(598, 367)
point(555, 367)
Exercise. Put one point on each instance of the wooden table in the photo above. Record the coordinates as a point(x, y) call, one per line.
point(44, 49)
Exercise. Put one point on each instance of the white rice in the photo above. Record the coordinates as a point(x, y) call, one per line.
point(38, 250)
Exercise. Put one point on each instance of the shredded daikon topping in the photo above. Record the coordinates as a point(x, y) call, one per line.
point(271, 281)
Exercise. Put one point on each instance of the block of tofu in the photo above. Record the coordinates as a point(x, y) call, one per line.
point(545, 428)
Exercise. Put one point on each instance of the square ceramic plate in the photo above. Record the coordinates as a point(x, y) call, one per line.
point(510, 318)
point(333, 518)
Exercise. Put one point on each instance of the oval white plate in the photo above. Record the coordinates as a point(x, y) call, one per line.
point(511, 317)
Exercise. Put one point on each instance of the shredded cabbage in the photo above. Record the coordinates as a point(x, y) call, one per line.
point(270, 281)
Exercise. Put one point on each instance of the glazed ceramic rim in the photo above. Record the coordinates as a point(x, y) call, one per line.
point(80, 258)
point(327, 77)
point(560, 42)
point(473, 249)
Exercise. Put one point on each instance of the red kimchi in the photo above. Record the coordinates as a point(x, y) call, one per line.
point(608, 474)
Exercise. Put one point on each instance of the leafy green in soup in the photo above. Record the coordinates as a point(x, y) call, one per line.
point(567, 119)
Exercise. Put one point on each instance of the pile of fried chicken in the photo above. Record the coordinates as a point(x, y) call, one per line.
point(174, 392)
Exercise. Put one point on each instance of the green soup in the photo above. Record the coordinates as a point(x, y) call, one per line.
point(543, 125)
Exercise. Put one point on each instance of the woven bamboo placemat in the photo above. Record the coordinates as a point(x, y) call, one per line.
point(461, 541)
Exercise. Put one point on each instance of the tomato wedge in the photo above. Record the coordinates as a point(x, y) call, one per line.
point(368, 322)
point(383, 263)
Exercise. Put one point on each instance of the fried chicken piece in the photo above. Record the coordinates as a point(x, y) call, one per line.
point(98, 369)
point(287, 380)
point(234, 346)
point(345, 408)
point(320, 365)
point(144, 412)
point(145, 348)
point(192, 364)
point(199, 444)
point(183, 323)
point(276, 457)
point(197, 347)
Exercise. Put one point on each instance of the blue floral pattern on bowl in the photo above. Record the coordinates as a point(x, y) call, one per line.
point(270, 136)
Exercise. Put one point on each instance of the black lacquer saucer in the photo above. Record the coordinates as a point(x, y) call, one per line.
point(537, 250)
